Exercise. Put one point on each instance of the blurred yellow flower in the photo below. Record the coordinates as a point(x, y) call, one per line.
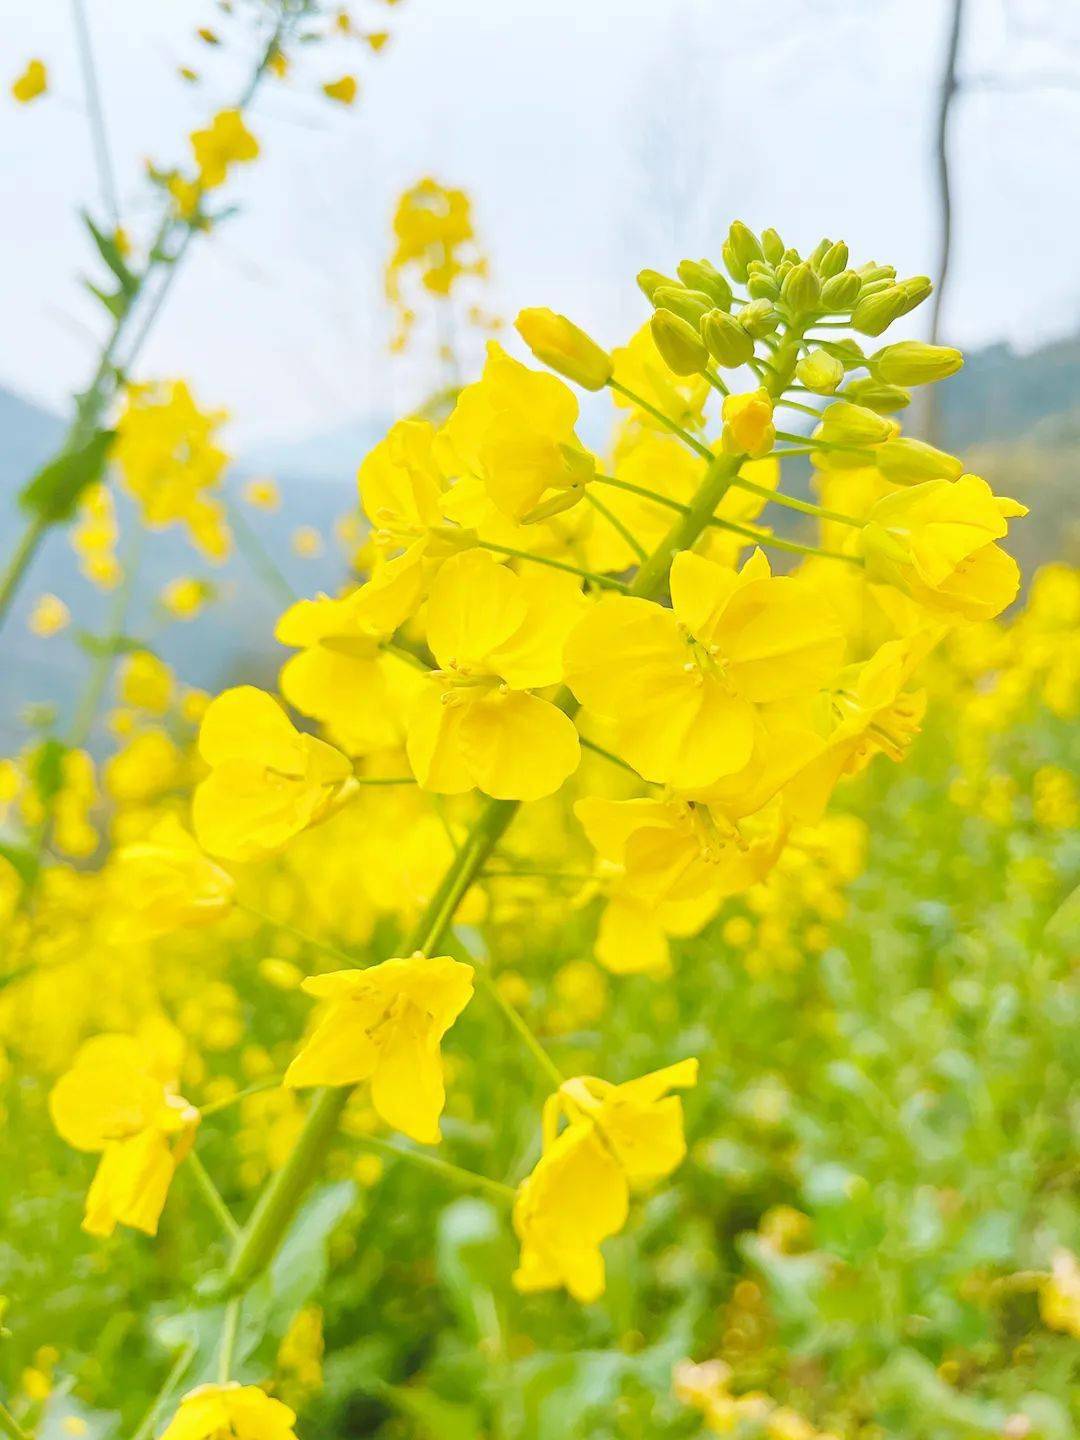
point(33, 81)
point(49, 616)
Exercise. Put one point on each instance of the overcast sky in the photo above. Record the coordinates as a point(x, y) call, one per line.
point(595, 136)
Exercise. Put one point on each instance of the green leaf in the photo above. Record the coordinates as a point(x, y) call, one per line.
point(24, 861)
point(116, 302)
point(437, 1419)
point(109, 251)
point(54, 491)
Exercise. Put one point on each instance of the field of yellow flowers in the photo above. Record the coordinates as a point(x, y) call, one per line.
point(616, 984)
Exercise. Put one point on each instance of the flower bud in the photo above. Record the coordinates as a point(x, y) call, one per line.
point(911, 362)
point(904, 461)
point(701, 275)
point(744, 243)
point(915, 291)
point(875, 313)
point(885, 399)
point(876, 272)
point(873, 287)
point(841, 291)
point(649, 280)
point(748, 424)
point(690, 304)
point(558, 343)
point(833, 261)
point(735, 268)
point(854, 424)
point(762, 285)
point(679, 343)
point(820, 372)
point(728, 342)
point(759, 318)
point(819, 250)
point(772, 246)
point(801, 289)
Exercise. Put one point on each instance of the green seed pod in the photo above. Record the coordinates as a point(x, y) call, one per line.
point(679, 343)
point(841, 291)
point(728, 342)
point(819, 371)
point(690, 304)
point(801, 289)
point(704, 276)
point(833, 261)
point(885, 399)
point(904, 461)
point(911, 362)
point(650, 280)
point(854, 424)
point(759, 318)
point(875, 313)
point(745, 245)
point(772, 246)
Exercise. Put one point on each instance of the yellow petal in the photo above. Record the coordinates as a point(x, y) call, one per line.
point(517, 746)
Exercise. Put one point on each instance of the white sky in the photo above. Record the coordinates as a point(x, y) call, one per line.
point(595, 136)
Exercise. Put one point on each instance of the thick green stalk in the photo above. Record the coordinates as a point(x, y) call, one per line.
point(652, 576)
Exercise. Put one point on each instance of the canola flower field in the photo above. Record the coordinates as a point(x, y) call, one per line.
point(618, 982)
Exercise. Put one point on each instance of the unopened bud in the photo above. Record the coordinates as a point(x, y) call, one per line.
point(559, 343)
point(911, 362)
point(801, 289)
point(759, 318)
point(833, 261)
point(915, 291)
point(744, 246)
point(875, 313)
point(819, 250)
point(885, 399)
point(820, 372)
point(762, 285)
point(841, 291)
point(748, 424)
point(854, 424)
point(728, 342)
point(873, 271)
point(772, 246)
point(679, 343)
point(904, 461)
point(649, 280)
point(701, 275)
point(690, 304)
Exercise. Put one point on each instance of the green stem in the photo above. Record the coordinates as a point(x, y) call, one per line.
point(229, 1329)
point(19, 563)
point(652, 576)
point(665, 420)
point(212, 1196)
point(632, 489)
point(259, 558)
point(858, 450)
point(805, 507)
point(467, 1179)
point(797, 405)
point(92, 403)
point(279, 1201)
point(607, 581)
point(176, 1371)
point(775, 542)
point(351, 960)
point(544, 1062)
point(716, 383)
point(615, 523)
point(96, 113)
point(607, 755)
point(273, 1083)
point(10, 1426)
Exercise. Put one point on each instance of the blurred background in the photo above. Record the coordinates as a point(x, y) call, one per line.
point(593, 141)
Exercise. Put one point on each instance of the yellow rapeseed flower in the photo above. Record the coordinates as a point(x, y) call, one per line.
point(385, 1024)
point(242, 1411)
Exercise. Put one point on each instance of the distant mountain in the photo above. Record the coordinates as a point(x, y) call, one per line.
point(1017, 417)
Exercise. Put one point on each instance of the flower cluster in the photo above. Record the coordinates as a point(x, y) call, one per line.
point(608, 663)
